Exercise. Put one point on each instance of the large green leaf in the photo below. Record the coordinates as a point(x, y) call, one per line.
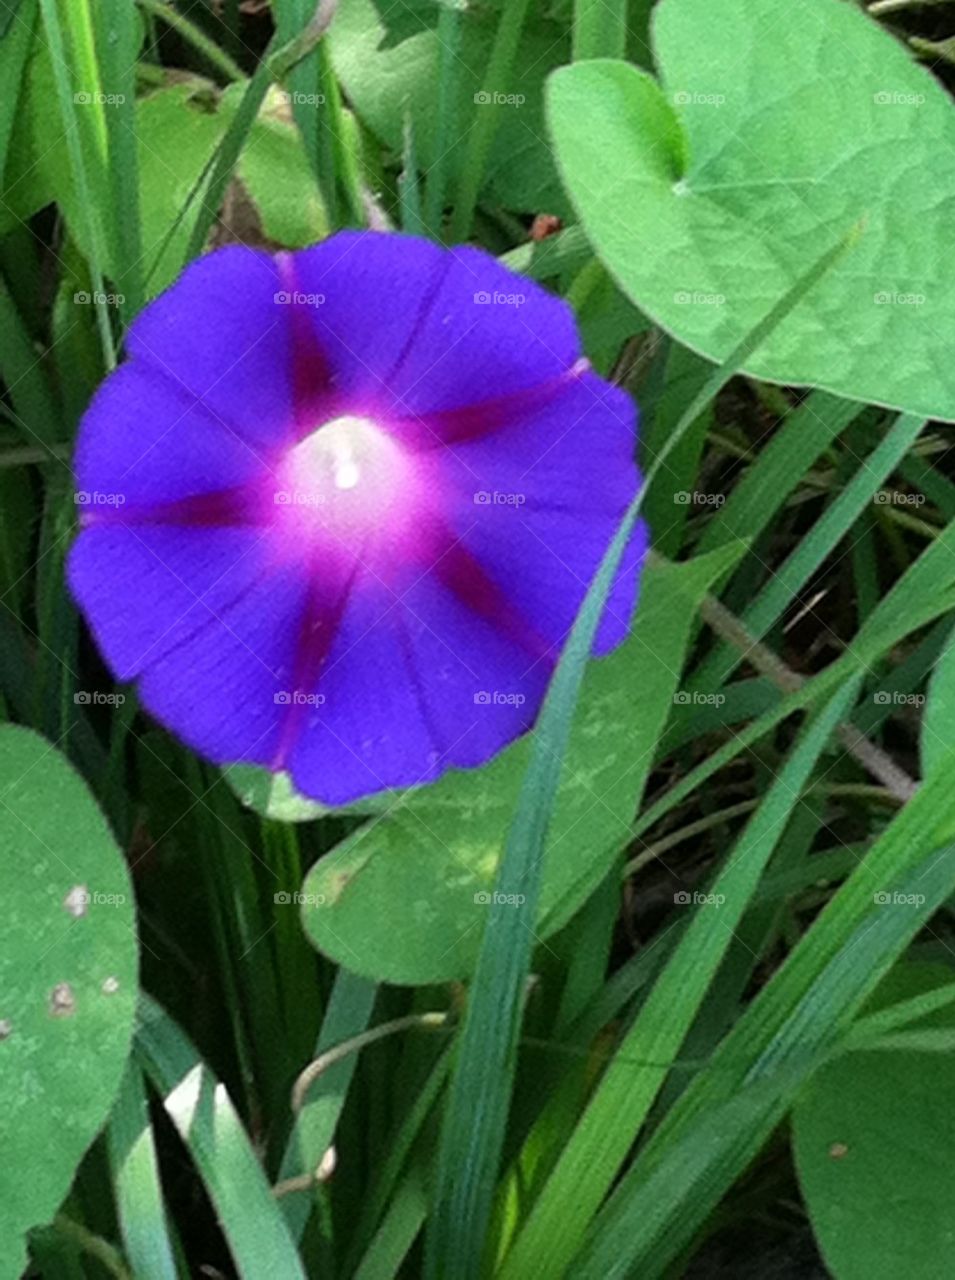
point(774, 129)
point(67, 980)
point(873, 1136)
point(405, 898)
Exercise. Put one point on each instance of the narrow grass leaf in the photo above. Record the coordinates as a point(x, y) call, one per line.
point(406, 1215)
point(783, 1036)
point(613, 1120)
point(16, 43)
point(117, 37)
point(600, 29)
point(497, 79)
point(347, 1016)
point(139, 1197)
point(448, 34)
point(409, 186)
point(474, 1126)
point(86, 143)
point(786, 583)
point(208, 1124)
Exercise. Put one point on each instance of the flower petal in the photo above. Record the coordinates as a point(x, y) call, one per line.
point(223, 334)
point(537, 504)
point(144, 441)
point(365, 294)
point(437, 343)
point(224, 690)
point(413, 686)
point(369, 731)
point(487, 331)
point(144, 591)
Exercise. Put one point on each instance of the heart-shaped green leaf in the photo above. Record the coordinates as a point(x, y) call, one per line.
point(775, 129)
point(67, 981)
point(405, 898)
point(872, 1138)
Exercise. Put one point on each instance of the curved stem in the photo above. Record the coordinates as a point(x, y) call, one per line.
point(328, 1059)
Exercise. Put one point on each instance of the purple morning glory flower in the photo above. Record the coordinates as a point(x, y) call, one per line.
point(339, 508)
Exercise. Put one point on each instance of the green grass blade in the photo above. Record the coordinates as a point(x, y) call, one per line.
point(600, 29)
point(409, 186)
point(621, 1103)
point(86, 144)
point(139, 1197)
point(497, 79)
point(778, 469)
point(387, 1177)
point(208, 1124)
point(210, 51)
point(347, 1015)
point(476, 1117)
point(818, 544)
point(213, 183)
point(449, 69)
point(397, 1233)
point(794, 1023)
point(36, 411)
point(117, 39)
point(15, 47)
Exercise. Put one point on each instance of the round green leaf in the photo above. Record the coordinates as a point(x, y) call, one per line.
point(774, 131)
point(67, 980)
point(873, 1141)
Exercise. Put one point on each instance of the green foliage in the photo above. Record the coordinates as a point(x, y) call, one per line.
point(871, 1137)
point(67, 977)
point(737, 184)
point(388, 56)
point(670, 980)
